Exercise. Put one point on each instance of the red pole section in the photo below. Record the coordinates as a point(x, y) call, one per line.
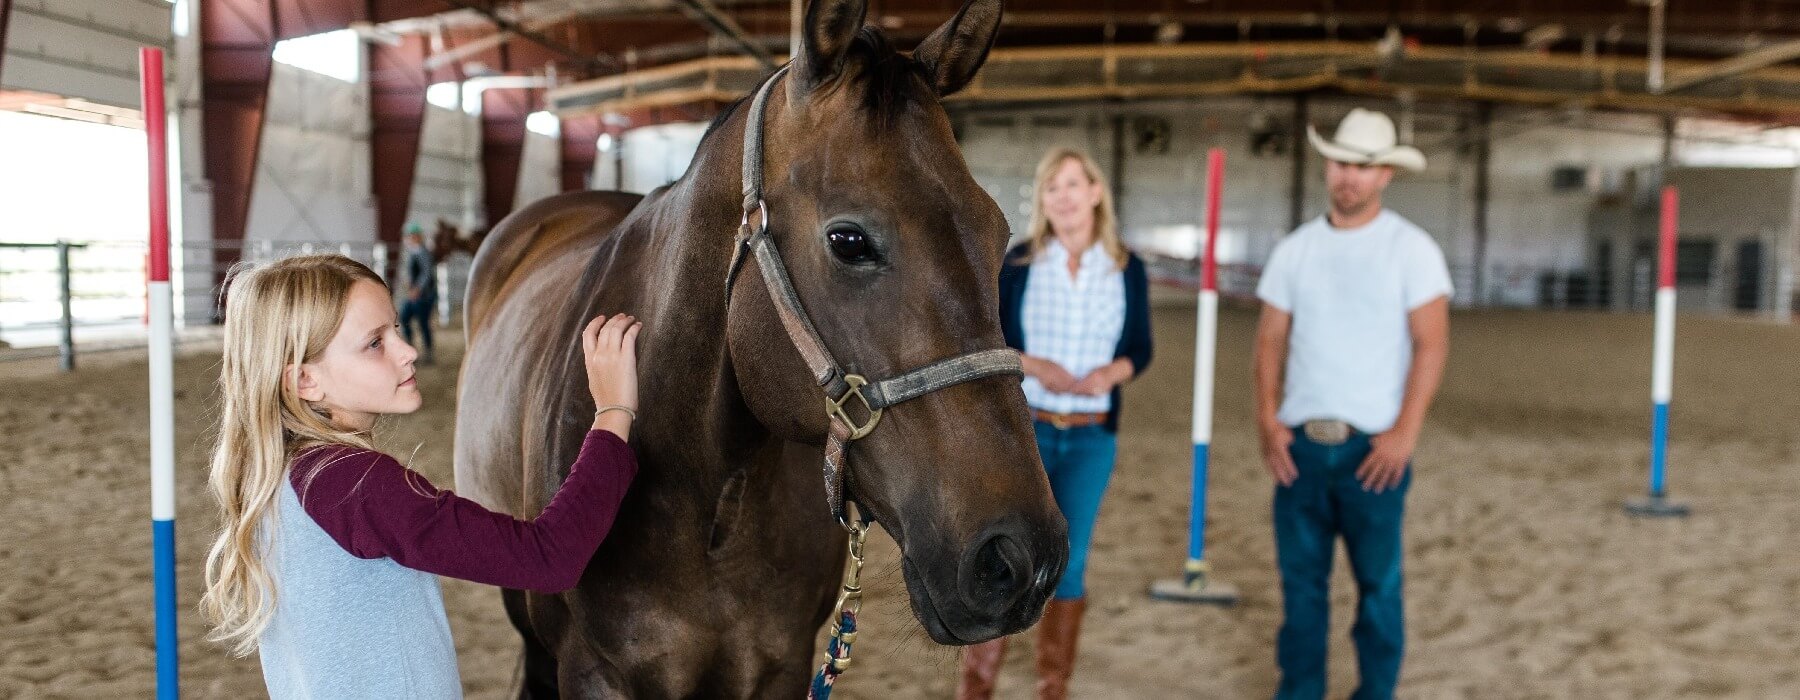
point(156, 129)
point(1215, 177)
point(1665, 264)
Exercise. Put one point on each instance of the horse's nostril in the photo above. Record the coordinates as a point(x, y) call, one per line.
point(994, 573)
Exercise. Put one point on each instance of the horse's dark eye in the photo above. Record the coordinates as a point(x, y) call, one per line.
point(850, 244)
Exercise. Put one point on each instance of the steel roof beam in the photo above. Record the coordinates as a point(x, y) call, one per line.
point(1736, 65)
point(704, 12)
point(595, 63)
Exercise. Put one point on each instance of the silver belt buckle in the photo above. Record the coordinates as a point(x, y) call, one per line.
point(1327, 432)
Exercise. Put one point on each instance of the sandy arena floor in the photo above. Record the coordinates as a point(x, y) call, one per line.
point(1525, 580)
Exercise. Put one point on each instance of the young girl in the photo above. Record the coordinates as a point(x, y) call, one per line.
point(328, 548)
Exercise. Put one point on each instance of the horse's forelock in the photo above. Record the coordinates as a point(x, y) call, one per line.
point(886, 76)
point(891, 81)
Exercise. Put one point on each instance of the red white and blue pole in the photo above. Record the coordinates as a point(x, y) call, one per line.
point(162, 379)
point(1662, 366)
point(1196, 584)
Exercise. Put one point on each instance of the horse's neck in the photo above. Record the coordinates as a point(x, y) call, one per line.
point(683, 240)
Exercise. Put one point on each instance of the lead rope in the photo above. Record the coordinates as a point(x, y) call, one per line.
point(843, 631)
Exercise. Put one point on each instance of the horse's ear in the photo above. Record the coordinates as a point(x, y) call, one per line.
point(830, 27)
point(953, 53)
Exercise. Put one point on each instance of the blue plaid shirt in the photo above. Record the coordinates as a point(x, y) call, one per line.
point(1075, 323)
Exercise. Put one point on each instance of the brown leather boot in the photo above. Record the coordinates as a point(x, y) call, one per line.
point(1057, 634)
point(980, 668)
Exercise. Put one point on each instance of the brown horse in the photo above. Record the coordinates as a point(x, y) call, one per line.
point(447, 240)
point(723, 563)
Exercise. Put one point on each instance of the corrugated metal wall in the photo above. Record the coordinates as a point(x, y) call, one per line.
point(312, 174)
point(82, 48)
point(447, 183)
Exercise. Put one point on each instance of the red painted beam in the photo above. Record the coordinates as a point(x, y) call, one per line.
point(397, 83)
point(237, 38)
point(502, 147)
point(579, 151)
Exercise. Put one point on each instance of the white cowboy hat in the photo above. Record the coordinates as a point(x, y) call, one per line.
point(1366, 137)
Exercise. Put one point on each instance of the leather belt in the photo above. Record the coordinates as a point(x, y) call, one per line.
point(1065, 421)
point(1327, 432)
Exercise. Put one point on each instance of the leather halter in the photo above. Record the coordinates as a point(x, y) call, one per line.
point(754, 239)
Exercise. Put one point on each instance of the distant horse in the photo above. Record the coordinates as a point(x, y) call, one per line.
point(862, 239)
point(447, 240)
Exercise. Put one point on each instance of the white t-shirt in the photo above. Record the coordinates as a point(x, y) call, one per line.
point(1349, 291)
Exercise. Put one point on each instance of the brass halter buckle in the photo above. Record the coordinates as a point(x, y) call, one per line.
point(835, 407)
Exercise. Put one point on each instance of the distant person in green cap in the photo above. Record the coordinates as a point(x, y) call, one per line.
point(421, 292)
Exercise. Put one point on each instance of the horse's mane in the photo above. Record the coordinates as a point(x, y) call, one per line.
point(886, 77)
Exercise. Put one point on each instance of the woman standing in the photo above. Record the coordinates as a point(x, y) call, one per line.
point(1075, 302)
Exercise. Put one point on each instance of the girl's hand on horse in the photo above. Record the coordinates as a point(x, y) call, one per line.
point(609, 348)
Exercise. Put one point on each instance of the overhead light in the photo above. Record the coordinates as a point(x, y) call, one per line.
point(1169, 32)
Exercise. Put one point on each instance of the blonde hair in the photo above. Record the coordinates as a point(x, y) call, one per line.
point(277, 316)
point(1106, 224)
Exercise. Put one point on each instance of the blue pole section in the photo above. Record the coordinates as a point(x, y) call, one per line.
point(167, 644)
point(1659, 448)
point(1197, 522)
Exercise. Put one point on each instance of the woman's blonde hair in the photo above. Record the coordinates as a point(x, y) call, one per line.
point(278, 316)
point(1106, 224)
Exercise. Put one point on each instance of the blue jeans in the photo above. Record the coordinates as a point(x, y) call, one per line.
point(417, 310)
point(1327, 500)
point(1079, 462)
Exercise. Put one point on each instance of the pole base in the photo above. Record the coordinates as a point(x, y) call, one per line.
point(1205, 590)
point(1656, 507)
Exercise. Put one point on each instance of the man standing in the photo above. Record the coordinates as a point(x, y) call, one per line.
point(421, 292)
point(1356, 310)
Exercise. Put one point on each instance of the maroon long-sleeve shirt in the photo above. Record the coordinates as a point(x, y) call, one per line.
point(373, 507)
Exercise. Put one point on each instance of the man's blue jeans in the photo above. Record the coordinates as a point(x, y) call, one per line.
point(1079, 462)
point(1325, 501)
point(418, 310)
